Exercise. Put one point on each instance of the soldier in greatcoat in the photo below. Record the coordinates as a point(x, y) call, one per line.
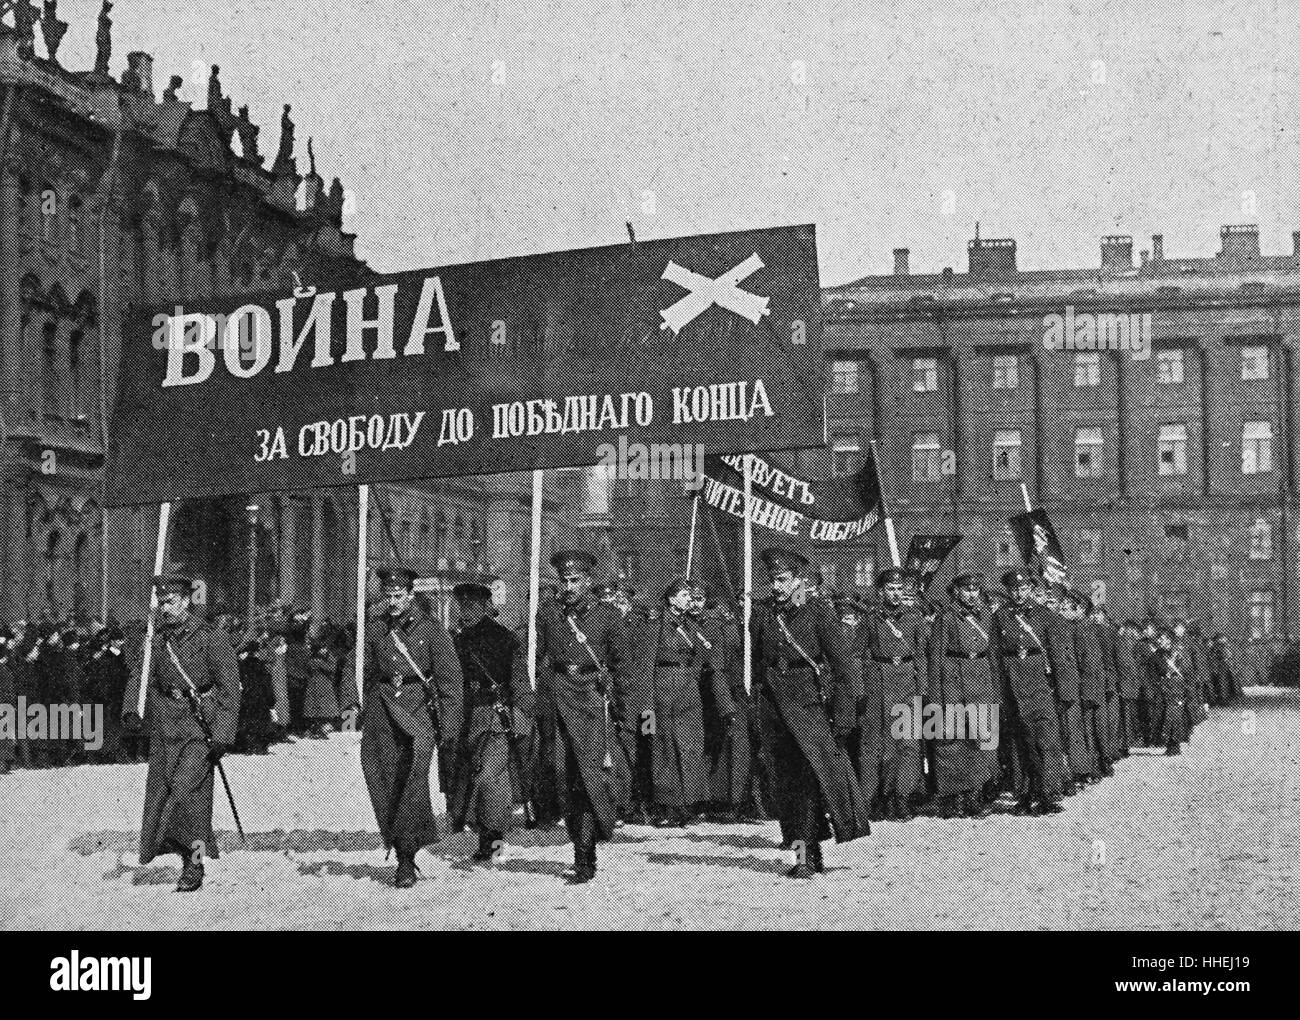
point(1018, 641)
point(190, 659)
point(961, 681)
point(807, 686)
point(413, 703)
point(584, 665)
point(891, 651)
point(498, 722)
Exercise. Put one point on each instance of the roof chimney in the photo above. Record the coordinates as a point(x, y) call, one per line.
point(1239, 242)
point(1117, 253)
point(992, 258)
point(900, 261)
point(1157, 247)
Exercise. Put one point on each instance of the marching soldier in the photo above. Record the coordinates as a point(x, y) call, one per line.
point(583, 653)
point(414, 698)
point(1018, 641)
point(892, 651)
point(807, 687)
point(631, 784)
point(106, 682)
point(735, 778)
point(1063, 661)
point(193, 670)
point(498, 722)
point(961, 675)
point(1169, 726)
point(1092, 686)
point(674, 660)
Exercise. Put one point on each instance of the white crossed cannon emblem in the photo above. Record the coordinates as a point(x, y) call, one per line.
point(704, 292)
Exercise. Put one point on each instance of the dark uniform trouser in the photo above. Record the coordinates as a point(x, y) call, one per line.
point(1094, 733)
point(1037, 744)
point(795, 788)
point(580, 817)
point(547, 783)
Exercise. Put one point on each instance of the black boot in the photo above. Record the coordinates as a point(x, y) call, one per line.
point(1024, 806)
point(815, 858)
point(584, 849)
point(489, 841)
point(406, 869)
point(191, 876)
point(1049, 807)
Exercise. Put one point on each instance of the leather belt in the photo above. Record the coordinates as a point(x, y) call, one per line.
point(968, 655)
point(573, 668)
point(1020, 653)
point(176, 694)
point(892, 660)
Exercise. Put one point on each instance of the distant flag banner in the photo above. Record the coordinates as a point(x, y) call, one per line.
point(1039, 546)
point(835, 510)
point(926, 554)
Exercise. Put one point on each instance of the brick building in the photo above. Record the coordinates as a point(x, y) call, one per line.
point(1170, 477)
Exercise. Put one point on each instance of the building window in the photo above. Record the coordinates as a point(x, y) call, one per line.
point(829, 576)
point(1256, 447)
point(458, 538)
point(49, 206)
point(422, 538)
point(1254, 362)
point(864, 572)
point(1006, 371)
point(74, 373)
point(1089, 547)
point(1173, 450)
point(1087, 453)
point(75, 236)
point(1006, 455)
point(926, 457)
point(925, 375)
point(440, 538)
point(844, 376)
point(1169, 365)
point(845, 454)
point(1261, 540)
point(52, 390)
point(1261, 615)
point(1003, 551)
point(1087, 369)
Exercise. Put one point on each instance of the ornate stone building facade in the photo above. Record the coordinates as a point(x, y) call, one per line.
point(112, 195)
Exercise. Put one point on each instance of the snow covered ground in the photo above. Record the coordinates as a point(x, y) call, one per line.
point(1207, 840)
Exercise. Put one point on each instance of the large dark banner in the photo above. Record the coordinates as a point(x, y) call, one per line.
point(831, 510)
point(927, 553)
point(489, 367)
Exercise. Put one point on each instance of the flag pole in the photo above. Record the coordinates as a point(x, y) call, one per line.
point(534, 576)
point(1024, 491)
point(747, 575)
point(889, 521)
point(690, 542)
point(363, 538)
point(164, 514)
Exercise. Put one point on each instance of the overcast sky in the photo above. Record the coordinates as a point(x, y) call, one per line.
point(479, 130)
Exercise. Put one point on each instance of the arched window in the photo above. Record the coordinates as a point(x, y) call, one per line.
point(74, 372)
point(51, 377)
point(76, 238)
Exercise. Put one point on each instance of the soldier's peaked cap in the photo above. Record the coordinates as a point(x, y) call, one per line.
point(890, 575)
point(573, 560)
point(1013, 579)
point(777, 560)
point(395, 577)
point(471, 592)
point(961, 581)
point(174, 583)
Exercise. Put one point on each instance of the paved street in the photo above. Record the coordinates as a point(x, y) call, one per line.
point(1208, 840)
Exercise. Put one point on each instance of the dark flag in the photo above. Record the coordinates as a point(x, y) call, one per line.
point(1039, 546)
point(835, 510)
point(926, 553)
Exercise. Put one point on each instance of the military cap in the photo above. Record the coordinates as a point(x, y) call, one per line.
point(890, 575)
point(961, 581)
point(573, 560)
point(1013, 579)
point(396, 577)
point(778, 560)
point(174, 584)
point(470, 591)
